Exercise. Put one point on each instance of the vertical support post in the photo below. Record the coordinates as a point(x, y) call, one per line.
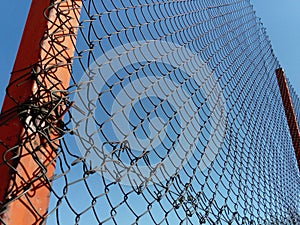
point(289, 112)
point(29, 137)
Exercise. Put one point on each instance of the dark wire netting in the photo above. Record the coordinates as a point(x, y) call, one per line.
point(176, 118)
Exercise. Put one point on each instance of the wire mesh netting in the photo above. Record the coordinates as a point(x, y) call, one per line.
point(173, 116)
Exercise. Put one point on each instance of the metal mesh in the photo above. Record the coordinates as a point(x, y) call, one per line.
point(173, 116)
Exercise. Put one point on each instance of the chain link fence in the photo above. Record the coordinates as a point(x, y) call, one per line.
point(173, 116)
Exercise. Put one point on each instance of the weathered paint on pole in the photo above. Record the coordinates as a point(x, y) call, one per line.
point(44, 37)
point(289, 111)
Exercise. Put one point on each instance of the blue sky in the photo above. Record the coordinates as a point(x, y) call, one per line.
point(280, 19)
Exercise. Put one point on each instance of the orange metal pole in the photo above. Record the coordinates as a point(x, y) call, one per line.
point(289, 111)
point(27, 158)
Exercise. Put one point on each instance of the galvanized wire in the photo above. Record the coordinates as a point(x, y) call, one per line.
point(176, 118)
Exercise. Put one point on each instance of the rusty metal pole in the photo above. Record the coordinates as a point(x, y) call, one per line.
point(27, 160)
point(289, 112)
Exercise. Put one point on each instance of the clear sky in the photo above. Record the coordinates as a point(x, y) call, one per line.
point(281, 18)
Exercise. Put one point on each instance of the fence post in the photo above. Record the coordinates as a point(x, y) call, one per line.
point(29, 137)
point(289, 111)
